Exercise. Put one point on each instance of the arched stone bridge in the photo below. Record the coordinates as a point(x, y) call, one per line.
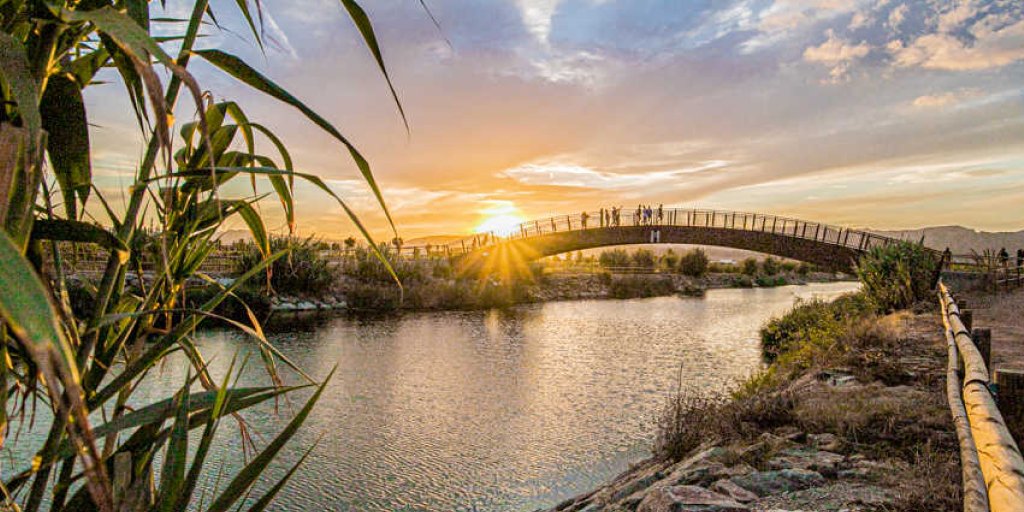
point(829, 247)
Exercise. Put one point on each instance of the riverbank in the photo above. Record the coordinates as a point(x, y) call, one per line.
point(439, 294)
point(851, 415)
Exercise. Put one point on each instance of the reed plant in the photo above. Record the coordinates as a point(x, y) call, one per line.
point(99, 452)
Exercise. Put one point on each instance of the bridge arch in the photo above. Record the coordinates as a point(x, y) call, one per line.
point(829, 247)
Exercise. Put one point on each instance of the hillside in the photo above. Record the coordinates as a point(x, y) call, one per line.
point(961, 240)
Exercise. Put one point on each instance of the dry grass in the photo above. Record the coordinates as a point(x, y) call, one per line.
point(930, 482)
point(689, 421)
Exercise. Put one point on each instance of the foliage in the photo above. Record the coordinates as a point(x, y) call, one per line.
point(813, 323)
point(302, 271)
point(73, 360)
point(694, 263)
point(689, 421)
point(670, 260)
point(769, 266)
point(749, 267)
point(770, 281)
point(614, 258)
point(631, 287)
point(898, 275)
point(644, 258)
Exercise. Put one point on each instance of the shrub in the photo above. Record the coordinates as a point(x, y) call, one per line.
point(770, 281)
point(302, 271)
point(670, 260)
point(770, 266)
point(898, 275)
point(614, 258)
point(643, 258)
point(804, 268)
point(749, 266)
point(630, 287)
point(687, 421)
point(813, 324)
point(694, 263)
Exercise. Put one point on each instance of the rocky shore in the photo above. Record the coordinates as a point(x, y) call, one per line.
point(850, 444)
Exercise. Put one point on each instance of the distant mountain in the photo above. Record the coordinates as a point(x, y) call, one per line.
point(961, 240)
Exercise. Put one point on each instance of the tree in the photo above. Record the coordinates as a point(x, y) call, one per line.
point(643, 258)
point(749, 266)
point(670, 259)
point(694, 263)
point(350, 242)
point(614, 258)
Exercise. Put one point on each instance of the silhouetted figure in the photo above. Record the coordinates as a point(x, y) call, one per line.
point(583, 219)
point(1004, 257)
point(1020, 257)
point(661, 213)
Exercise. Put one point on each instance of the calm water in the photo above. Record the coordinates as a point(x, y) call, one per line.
point(499, 410)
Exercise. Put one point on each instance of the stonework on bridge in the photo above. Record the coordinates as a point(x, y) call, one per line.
point(829, 247)
point(825, 255)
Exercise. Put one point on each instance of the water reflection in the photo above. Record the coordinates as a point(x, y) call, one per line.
point(497, 410)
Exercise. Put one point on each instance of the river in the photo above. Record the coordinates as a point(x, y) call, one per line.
point(492, 410)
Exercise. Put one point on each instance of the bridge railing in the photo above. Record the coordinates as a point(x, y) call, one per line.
point(682, 217)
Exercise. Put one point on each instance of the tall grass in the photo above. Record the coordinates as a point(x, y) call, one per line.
point(898, 275)
point(77, 361)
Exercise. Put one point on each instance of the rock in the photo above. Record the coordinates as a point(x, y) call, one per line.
point(639, 483)
point(764, 483)
point(730, 489)
point(791, 433)
point(688, 498)
point(305, 305)
point(826, 463)
point(827, 442)
point(700, 474)
point(837, 377)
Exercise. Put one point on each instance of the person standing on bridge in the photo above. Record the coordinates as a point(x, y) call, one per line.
point(1020, 257)
point(1004, 257)
point(583, 219)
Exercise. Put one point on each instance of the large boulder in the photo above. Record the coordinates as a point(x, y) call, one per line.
point(688, 498)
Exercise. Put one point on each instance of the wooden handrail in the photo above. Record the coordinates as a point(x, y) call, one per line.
point(999, 458)
point(696, 218)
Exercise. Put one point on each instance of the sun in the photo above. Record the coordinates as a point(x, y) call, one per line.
point(501, 219)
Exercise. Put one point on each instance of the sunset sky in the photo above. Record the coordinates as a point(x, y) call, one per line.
point(886, 114)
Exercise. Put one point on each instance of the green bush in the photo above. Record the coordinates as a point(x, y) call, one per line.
point(302, 271)
point(670, 260)
point(813, 323)
point(898, 275)
point(770, 281)
point(631, 287)
point(643, 258)
point(749, 266)
point(694, 263)
point(614, 258)
point(770, 266)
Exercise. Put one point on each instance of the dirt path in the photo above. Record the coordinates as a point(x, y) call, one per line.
point(1004, 314)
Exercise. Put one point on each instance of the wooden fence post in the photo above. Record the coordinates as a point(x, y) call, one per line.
point(1011, 399)
point(982, 339)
